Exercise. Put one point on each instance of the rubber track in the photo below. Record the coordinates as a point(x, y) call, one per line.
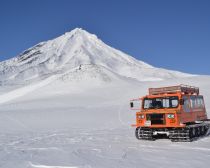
point(188, 134)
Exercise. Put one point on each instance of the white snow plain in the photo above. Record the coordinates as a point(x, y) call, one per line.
point(76, 115)
point(65, 124)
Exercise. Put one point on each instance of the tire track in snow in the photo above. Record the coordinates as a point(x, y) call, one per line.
point(45, 166)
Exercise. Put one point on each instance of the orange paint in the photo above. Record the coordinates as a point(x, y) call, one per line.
point(170, 107)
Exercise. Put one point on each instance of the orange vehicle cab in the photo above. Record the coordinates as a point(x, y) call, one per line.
point(168, 109)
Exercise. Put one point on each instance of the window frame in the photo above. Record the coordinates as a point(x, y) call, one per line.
point(166, 97)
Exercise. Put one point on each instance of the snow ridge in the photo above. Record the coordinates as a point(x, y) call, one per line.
point(72, 50)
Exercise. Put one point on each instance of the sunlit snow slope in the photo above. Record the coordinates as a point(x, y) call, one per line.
point(64, 103)
point(72, 50)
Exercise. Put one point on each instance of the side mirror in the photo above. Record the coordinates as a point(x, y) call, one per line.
point(135, 104)
point(181, 101)
point(131, 104)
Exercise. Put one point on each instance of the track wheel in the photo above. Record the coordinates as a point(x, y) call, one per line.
point(138, 132)
point(192, 133)
point(198, 133)
point(202, 130)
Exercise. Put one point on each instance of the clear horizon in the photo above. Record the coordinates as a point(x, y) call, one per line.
point(172, 35)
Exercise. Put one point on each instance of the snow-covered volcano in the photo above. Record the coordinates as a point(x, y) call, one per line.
point(77, 50)
point(75, 111)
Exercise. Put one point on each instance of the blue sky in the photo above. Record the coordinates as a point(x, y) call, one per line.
point(172, 34)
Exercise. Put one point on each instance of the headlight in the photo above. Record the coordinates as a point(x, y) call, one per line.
point(170, 115)
point(141, 116)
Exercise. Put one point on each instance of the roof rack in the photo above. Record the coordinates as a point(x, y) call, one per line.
point(186, 89)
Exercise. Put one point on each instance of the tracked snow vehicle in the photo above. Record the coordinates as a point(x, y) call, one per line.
point(176, 112)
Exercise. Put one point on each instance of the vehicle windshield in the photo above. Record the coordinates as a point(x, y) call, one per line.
point(160, 102)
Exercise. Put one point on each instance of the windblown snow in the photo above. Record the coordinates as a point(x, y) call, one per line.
point(64, 103)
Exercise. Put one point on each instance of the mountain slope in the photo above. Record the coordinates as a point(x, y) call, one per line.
point(75, 111)
point(71, 50)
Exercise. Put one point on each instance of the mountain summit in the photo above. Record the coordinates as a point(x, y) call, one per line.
point(75, 50)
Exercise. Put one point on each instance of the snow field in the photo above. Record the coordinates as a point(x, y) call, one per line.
point(64, 103)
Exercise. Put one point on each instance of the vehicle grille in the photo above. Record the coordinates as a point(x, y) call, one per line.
point(156, 119)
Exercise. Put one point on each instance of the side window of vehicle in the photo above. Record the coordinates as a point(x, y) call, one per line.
point(193, 102)
point(200, 102)
point(186, 105)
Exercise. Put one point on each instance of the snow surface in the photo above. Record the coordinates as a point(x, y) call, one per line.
point(71, 50)
point(61, 109)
